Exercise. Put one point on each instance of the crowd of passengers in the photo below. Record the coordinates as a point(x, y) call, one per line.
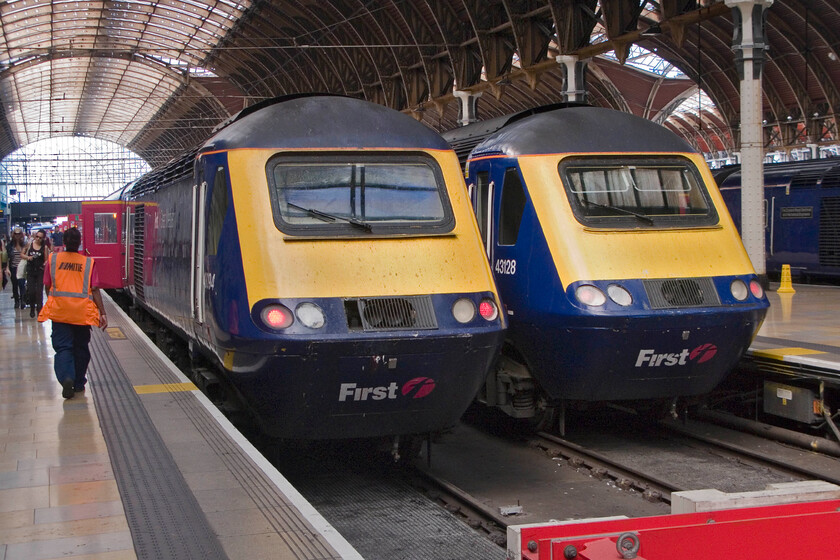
point(23, 259)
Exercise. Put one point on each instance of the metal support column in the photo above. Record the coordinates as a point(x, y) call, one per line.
point(748, 44)
point(574, 78)
point(468, 112)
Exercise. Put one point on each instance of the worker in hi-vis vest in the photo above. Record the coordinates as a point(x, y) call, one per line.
point(74, 305)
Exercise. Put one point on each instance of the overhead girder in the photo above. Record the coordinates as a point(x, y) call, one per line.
point(669, 108)
point(417, 74)
point(694, 129)
point(402, 63)
point(698, 59)
point(532, 29)
point(445, 20)
point(812, 63)
point(620, 18)
point(610, 91)
point(574, 21)
point(178, 126)
point(294, 68)
point(491, 28)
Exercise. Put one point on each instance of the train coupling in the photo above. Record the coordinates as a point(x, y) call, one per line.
point(673, 412)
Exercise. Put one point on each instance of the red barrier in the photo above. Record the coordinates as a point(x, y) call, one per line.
point(809, 530)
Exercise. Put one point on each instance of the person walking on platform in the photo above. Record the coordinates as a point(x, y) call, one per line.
point(4, 257)
point(74, 305)
point(37, 253)
point(14, 250)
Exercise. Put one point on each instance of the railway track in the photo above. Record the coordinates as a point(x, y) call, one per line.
point(626, 477)
point(727, 450)
point(759, 451)
point(606, 483)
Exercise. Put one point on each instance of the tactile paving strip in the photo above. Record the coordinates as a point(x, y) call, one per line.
point(164, 517)
point(297, 533)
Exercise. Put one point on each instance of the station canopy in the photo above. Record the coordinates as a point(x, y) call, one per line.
point(156, 76)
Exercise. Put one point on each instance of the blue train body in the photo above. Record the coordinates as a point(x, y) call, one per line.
point(621, 273)
point(802, 215)
point(331, 309)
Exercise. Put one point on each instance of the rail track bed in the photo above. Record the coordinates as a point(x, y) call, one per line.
point(488, 472)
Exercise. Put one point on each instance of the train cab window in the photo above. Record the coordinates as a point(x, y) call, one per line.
point(637, 192)
point(356, 194)
point(105, 228)
point(512, 208)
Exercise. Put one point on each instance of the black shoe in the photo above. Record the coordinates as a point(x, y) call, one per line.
point(31, 311)
point(67, 390)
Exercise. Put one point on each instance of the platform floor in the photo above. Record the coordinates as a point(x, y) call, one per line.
point(141, 465)
point(801, 334)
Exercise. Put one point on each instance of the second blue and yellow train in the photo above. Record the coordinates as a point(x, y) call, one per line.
point(621, 272)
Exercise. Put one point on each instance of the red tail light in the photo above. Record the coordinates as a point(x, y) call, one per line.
point(488, 309)
point(277, 317)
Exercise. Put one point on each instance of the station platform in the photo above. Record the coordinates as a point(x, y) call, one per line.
point(140, 465)
point(801, 334)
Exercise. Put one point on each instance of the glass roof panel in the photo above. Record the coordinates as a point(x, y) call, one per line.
point(39, 47)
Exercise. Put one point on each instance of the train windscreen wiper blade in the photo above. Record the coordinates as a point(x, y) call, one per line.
point(324, 216)
point(642, 217)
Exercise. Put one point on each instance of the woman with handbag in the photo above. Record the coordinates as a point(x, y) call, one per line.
point(36, 255)
point(14, 250)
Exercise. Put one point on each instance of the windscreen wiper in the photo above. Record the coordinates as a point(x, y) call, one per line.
point(331, 218)
point(642, 217)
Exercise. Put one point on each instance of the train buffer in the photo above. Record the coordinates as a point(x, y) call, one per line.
point(791, 531)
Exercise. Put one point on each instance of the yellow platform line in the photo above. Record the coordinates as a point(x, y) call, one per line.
point(165, 388)
point(780, 353)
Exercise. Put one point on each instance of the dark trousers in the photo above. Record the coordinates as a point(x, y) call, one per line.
point(35, 290)
point(72, 355)
point(17, 286)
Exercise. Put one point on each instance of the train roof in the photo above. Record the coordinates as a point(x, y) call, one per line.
point(323, 121)
point(303, 121)
point(565, 129)
point(797, 174)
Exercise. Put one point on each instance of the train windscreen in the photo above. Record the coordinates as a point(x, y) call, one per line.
point(628, 192)
point(356, 194)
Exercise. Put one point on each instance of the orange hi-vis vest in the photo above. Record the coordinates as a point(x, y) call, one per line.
point(70, 300)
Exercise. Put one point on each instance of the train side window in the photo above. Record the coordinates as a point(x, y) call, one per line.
point(216, 212)
point(512, 208)
point(105, 228)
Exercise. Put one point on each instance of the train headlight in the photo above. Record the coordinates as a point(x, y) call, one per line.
point(619, 295)
point(276, 316)
point(739, 290)
point(588, 294)
point(310, 315)
point(487, 309)
point(756, 289)
point(463, 310)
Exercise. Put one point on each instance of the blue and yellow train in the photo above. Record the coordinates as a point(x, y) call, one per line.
point(321, 253)
point(621, 272)
point(802, 215)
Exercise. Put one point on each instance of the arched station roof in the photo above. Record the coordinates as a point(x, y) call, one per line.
point(157, 76)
